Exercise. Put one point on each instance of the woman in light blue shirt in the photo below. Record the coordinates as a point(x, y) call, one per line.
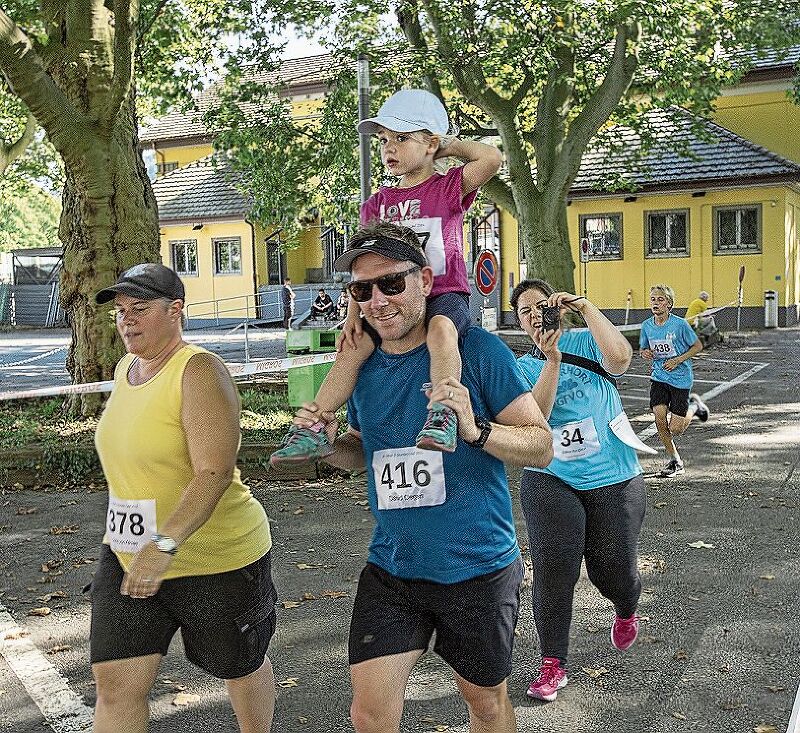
point(589, 503)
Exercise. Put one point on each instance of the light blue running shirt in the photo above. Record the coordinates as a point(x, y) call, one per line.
point(587, 453)
point(672, 339)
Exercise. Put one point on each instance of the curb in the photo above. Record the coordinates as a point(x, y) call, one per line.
point(36, 466)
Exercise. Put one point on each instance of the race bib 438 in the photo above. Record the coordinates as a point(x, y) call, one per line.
point(408, 477)
point(130, 523)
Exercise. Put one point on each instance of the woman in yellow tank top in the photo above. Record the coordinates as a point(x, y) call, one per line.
point(186, 544)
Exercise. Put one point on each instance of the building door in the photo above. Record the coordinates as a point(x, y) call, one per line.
point(276, 259)
point(334, 243)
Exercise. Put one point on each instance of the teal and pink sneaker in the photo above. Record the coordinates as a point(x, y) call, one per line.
point(440, 431)
point(302, 444)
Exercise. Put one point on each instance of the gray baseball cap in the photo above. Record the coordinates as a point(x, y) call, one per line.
point(147, 281)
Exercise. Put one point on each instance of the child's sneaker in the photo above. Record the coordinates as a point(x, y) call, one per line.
point(552, 678)
point(440, 431)
point(302, 444)
point(624, 632)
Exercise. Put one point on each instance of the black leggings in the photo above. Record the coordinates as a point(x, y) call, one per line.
point(565, 526)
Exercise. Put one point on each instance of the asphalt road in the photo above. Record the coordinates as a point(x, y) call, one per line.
point(35, 358)
point(719, 643)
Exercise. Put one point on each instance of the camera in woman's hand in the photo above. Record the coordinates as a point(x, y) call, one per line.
point(551, 317)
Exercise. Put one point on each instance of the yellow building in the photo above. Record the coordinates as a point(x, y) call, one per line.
point(692, 222)
point(224, 259)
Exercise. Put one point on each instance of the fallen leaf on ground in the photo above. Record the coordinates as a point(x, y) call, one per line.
point(308, 597)
point(49, 596)
point(701, 545)
point(767, 577)
point(65, 529)
point(765, 728)
point(334, 594)
point(595, 673)
point(13, 635)
point(43, 611)
point(660, 504)
point(775, 688)
point(22, 510)
point(185, 698)
point(57, 649)
point(679, 716)
point(289, 682)
point(306, 566)
point(291, 604)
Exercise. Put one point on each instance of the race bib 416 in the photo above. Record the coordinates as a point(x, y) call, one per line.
point(408, 477)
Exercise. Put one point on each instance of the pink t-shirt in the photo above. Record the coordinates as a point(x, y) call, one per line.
point(435, 210)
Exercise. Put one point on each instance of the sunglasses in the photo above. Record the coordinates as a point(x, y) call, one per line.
point(394, 284)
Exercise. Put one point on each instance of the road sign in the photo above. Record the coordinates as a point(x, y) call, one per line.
point(486, 273)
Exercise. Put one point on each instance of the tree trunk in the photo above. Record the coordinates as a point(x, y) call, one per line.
point(109, 223)
point(544, 236)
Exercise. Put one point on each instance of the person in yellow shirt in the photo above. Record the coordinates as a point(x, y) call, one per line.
point(696, 307)
point(186, 545)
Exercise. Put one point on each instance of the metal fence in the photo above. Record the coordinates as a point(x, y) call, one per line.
point(5, 303)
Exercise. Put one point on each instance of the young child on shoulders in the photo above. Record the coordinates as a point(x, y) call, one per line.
point(413, 129)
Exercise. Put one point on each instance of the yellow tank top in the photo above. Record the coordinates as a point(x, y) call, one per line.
point(143, 451)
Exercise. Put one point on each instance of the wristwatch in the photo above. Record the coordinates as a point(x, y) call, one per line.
point(485, 427)
point(165, 544)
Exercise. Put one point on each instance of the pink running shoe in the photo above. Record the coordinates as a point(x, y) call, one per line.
point(551, 679)
point(624, 632)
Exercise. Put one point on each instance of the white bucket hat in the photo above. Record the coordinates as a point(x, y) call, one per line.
point(409, 110)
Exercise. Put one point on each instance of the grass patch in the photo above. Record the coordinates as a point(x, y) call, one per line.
point(36, 435)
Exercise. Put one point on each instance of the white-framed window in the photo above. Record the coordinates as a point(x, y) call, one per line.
point(183, 253)
point(227, 256)
point(737, 229)
point(603, 233)
point(666, 233)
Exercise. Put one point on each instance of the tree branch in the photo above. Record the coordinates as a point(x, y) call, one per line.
point(551, 113)
point(126, 16)
point(145, 27)
point(10, 153)
point(408, 20)
point(606, 97)
point(27, 78)
point(500, 193)
point(523, 89)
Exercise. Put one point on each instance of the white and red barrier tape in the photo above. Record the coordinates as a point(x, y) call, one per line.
point(265, 366)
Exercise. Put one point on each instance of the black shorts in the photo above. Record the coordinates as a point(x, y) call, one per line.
point(675, 398)
point(474, 620)
point(226, 619)
point(454, 306)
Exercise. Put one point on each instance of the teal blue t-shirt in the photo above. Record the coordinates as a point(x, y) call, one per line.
point(442, 517)
point(587, 453)
point(672, 339)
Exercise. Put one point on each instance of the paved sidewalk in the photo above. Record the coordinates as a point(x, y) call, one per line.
point(720, 639)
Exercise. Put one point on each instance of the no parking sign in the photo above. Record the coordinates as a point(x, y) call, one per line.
point(486, 273)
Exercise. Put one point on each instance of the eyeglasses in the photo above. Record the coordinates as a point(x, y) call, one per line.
point(392, 284)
